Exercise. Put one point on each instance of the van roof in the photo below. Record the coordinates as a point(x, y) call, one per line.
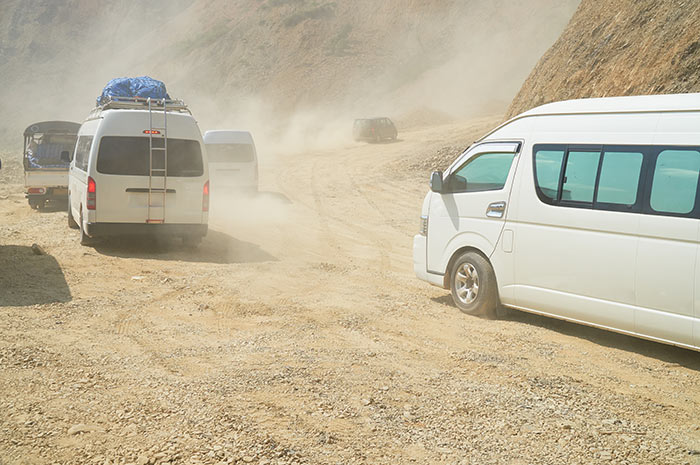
point(633, 104)
point(607, 105)
point(225, 136)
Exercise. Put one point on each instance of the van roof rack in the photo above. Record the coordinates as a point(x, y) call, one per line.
point(140, 103)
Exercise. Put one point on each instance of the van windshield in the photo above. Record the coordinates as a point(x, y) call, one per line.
point(129, 156)
point(230, 153)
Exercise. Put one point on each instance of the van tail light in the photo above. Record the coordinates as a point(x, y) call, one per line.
point(37, 190)
point(205, 197)
point(91, 194)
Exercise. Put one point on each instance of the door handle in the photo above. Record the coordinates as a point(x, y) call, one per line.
point(496, 210)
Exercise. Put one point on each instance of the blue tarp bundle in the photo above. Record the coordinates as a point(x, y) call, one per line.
point(143, 86)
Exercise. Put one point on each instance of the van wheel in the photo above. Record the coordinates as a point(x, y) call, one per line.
point(71, 221)
point(84, 238)
point(473, 285)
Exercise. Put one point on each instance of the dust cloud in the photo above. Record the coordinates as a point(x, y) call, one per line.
point(294, 74)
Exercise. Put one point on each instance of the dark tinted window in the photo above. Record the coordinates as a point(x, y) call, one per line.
point(548, 165)
point(675, 181)
point(580, 176)
point(82, 152)
point(619, 177)
point(129, 156)
point(230, 153)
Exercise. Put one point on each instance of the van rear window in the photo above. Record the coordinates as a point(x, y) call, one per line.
point(230, 153)
point(129, 156)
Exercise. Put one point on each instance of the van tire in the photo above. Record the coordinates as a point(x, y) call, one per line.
point(72, 224)
point(473, 285)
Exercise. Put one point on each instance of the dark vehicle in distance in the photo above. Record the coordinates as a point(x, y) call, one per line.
point(374, 130)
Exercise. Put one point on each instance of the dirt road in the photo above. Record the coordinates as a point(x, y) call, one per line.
point(297, 333)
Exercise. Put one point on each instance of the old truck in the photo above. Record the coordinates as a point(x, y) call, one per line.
point(45, 173)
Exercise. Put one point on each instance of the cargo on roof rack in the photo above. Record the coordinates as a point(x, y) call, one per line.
point(140, 103)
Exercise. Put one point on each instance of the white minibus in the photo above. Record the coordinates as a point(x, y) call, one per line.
point(584, 210)
point(139, 168)
point(233, 160)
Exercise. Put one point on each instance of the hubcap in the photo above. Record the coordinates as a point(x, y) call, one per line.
point(467, 283)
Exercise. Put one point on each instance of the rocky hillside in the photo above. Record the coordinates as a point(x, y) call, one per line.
point(621, 47)
point(237, 61)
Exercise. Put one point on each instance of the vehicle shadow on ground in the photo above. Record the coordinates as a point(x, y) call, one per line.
point(385, 141)
point(669, 354)
point(30, 279)
point(54, 207)
point(216, 247)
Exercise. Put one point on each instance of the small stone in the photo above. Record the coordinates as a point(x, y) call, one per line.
point(142, 460)
point(367, 401)
point(247, 459)
point(38, 250)
point(82, 428)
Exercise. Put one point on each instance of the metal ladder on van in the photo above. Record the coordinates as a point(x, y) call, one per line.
point(157, 190)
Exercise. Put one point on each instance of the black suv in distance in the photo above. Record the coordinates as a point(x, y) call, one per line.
point(374, 129)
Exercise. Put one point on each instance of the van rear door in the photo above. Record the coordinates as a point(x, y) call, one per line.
point(125, 176)
point(232, 165)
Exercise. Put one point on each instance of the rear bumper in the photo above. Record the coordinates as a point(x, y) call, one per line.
point(51, 193)
point(143, 229)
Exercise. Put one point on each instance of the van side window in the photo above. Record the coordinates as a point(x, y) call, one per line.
point(580, 176)
point(82, 152)
point(619, 178)
point(548, 165)
point(675, 181)
point(485, 172)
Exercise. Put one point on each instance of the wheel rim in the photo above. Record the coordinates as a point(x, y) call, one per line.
point(467, 283)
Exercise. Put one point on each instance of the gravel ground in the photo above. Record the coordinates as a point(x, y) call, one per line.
point(297, 334)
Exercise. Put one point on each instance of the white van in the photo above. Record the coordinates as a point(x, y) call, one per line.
point(139, 168)
point(233, 160)
point(585, 210)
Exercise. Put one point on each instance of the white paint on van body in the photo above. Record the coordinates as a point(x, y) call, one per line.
point(114, 203)
point(634, 273)
point(231, 175)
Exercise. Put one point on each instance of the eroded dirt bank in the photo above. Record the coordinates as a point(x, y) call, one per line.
point(297, 333)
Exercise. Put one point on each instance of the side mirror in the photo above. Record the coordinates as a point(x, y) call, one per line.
point(436, 182)
point(65, 156)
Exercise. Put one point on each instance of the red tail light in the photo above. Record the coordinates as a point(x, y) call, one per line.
point(205, 198)
point(37, 190)
point(91, 201)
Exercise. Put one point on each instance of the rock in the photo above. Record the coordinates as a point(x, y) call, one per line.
point(142, 460)
point(38, 250)
point(247, 459)
point(83, 428)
